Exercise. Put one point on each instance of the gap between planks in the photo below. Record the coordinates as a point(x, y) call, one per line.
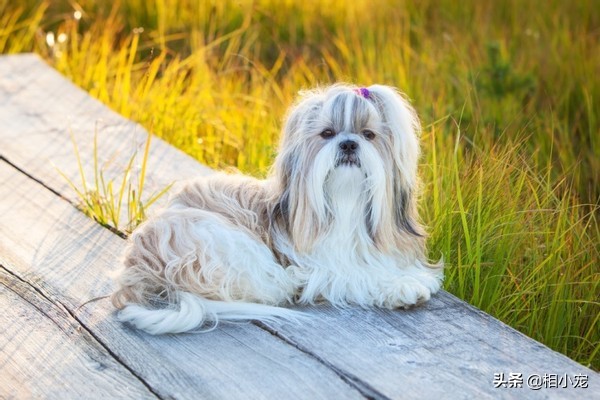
point(364, 388)
point(20, 287)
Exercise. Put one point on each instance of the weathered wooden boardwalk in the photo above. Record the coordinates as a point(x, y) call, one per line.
point(53, 259)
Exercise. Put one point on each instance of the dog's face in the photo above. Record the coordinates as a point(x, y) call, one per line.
point(339, 131)
point(343, 140)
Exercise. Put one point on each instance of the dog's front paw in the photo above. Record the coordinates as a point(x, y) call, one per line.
point(404, 292)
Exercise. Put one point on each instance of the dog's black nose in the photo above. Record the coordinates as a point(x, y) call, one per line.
point(348, 146)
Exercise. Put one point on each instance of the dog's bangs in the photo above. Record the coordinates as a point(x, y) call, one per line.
point(349, 112)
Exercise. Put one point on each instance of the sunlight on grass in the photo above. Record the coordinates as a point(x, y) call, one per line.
point(108, 201)
point(507, 91)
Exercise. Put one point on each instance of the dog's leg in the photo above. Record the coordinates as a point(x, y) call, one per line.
point(188, 257)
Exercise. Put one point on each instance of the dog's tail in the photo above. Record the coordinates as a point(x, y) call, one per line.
point(194, 313)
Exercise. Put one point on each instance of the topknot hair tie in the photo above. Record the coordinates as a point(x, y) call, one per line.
point(363, 92)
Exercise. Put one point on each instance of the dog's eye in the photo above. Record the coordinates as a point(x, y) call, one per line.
point(327, 134)
point(369, 135)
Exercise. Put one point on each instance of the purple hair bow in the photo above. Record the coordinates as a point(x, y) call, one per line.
point(363, 92)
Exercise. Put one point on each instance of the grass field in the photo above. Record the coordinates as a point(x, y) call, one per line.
point(508, 93)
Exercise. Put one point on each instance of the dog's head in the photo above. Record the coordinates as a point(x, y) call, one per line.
point(341, 139)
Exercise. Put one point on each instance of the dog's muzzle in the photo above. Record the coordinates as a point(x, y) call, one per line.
point(348, 154)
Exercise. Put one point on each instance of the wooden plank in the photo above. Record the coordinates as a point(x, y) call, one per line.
point(54, 248)
point(46, 353)
point(38, 110)
point(444, 349)
point(420, 353)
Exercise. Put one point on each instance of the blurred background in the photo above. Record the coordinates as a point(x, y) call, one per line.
point(508, 93)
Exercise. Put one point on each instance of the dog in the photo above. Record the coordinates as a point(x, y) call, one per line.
point(335, 220)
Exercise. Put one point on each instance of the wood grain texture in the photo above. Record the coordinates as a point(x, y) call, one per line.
point(46, 353)
point(446, 349)
point(39, 108)
point(67, 258)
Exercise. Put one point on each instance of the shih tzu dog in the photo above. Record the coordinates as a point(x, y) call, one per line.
point(335, 221)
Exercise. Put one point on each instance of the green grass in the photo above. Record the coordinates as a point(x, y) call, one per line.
point(507, 91)
point(106, 200)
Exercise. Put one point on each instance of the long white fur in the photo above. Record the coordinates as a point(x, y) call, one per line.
point(232, 248)
point(192, 312)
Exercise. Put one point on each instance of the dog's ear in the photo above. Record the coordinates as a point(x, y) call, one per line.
point(403, 129)
point(293, 209)
point(401, 121)
point(299, 114)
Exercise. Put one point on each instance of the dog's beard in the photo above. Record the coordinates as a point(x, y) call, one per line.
point(347, 160)
point(345, 192)
point(347, 198)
